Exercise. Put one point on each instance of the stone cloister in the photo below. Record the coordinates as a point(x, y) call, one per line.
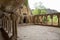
point(13, 14)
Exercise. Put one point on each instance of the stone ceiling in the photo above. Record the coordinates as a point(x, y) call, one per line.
point(10, 4)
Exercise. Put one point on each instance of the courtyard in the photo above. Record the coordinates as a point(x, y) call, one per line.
point(37, 32)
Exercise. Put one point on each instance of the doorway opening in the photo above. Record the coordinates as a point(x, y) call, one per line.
point(24, 20)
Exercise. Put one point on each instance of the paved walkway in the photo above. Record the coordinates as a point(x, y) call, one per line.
point(36, 32)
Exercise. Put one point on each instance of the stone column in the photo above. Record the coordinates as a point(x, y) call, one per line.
point(14, 26)
point(5, 24)
point(41, 20)
point(59, 20)
point(37, 19)
point(2, 22)
point(46, 19)
point(33, 19)
point(9, 26)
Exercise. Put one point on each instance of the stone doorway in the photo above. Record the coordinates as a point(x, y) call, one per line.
point(24, 20)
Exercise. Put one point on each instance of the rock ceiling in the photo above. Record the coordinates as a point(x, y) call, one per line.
point(10, 4)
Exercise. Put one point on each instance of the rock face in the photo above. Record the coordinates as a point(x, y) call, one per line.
point(10, 5)
point(14, 2)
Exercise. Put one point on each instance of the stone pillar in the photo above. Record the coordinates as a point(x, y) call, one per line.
point(29, 19)
point(37, 19)
point(41, 20)
point(59, 20)
point(2, 23)
point(46, 19)
point(33, 19)
point(9, 26)
point(5, 24)
point(14, 26)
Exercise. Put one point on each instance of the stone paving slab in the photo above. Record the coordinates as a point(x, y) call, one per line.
point(36, 32)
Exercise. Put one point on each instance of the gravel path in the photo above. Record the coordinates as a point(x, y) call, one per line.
point(36, 32)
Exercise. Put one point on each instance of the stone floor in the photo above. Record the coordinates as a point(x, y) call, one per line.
point(1, 37)
point(37, 32)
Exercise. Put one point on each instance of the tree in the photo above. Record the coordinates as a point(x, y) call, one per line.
point(36, 11)
point(39, 9)
point(26, 2)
